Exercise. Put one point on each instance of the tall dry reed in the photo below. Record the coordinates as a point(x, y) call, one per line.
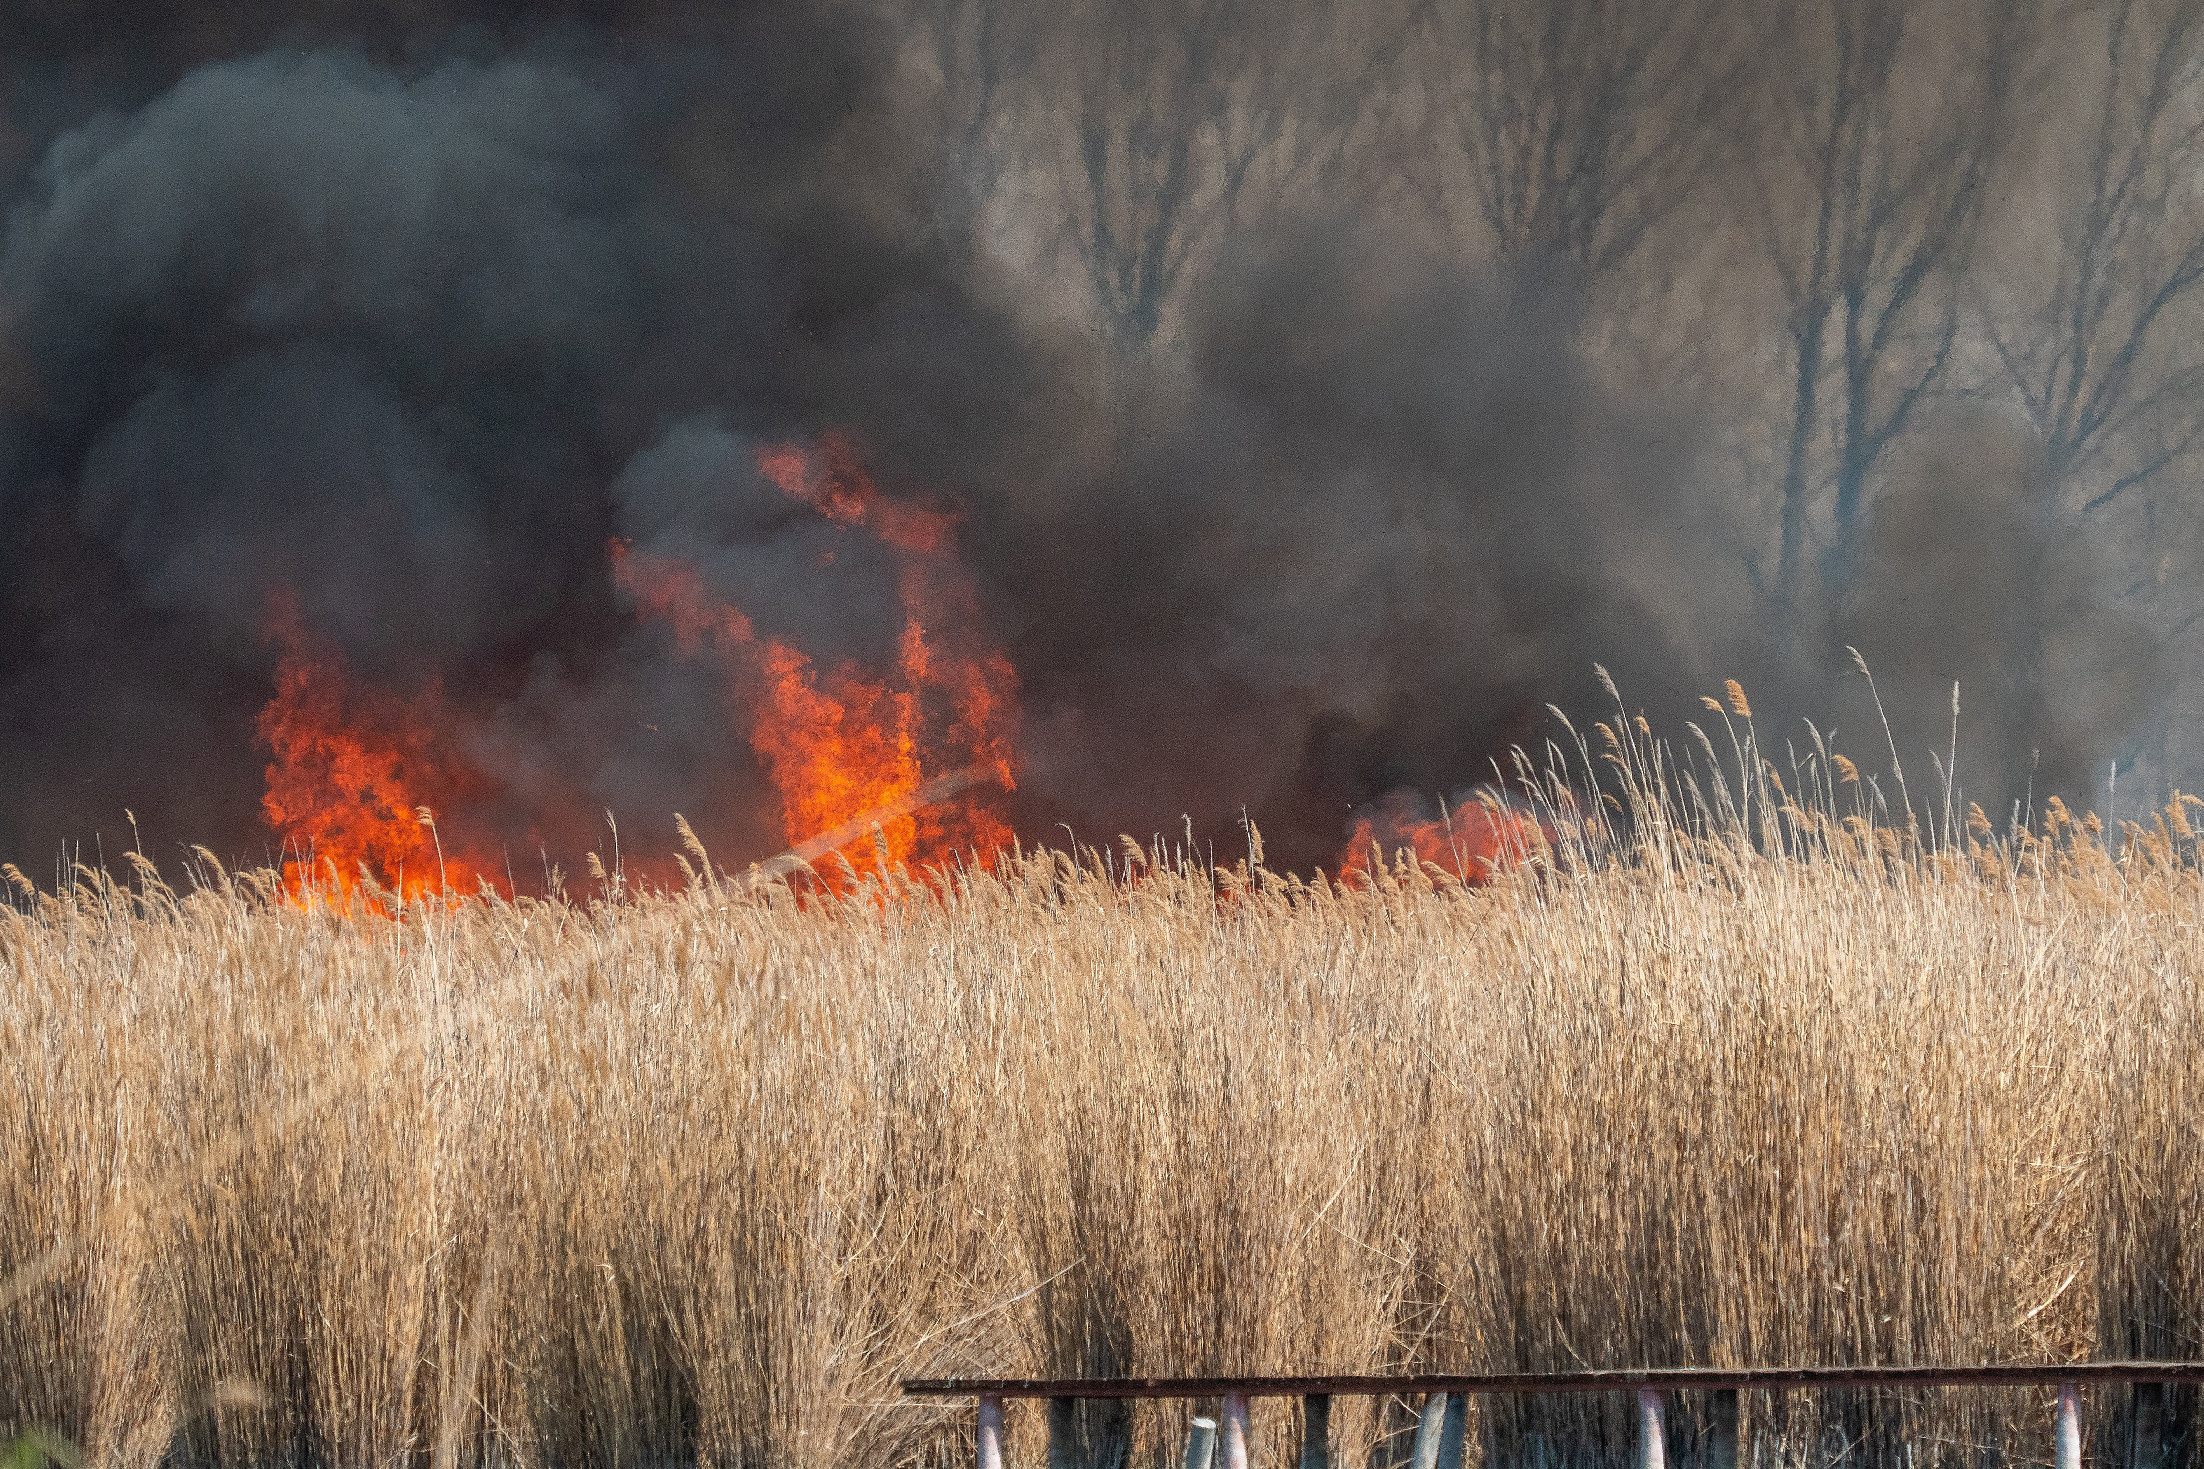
point(1742, 1066)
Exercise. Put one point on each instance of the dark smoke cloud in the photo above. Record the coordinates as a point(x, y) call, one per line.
point(415, 324)
point(1967, 581)
point(302, 323)
point(406, 341)
point(1383, 518)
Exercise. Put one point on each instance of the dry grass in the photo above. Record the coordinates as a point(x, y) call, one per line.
point(698, 1176)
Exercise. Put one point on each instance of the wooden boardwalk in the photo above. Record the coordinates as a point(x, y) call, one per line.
point(1440, 1427)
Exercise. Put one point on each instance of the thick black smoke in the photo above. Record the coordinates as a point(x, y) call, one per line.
point(414, 319)
point(414, 342)
point(1381, 517)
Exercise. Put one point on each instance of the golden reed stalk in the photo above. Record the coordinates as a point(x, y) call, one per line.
point(1740, 1068)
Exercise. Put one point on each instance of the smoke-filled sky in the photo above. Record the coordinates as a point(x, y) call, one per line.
point(1283, 471)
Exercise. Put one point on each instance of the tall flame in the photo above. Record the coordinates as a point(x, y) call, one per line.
point(848, 741)
point(353, 770)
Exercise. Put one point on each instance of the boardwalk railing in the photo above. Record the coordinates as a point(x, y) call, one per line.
point(1440, 1428)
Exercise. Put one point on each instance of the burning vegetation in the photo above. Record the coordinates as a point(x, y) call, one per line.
point(355, 773)
point(1479, 838)
point(900, 767)
point(850, 742)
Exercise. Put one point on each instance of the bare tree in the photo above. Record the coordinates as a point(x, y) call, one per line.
point(1579, 126)
point(1886, 119)
point(979, 62)
point(1187, 118)
point(2099, 345)
point(981, 55)
point(2109, 383)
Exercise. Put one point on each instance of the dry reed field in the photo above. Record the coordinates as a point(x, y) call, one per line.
point(1738, 1066)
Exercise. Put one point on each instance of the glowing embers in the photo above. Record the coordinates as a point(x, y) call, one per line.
point(353, 770)
point(844, 743)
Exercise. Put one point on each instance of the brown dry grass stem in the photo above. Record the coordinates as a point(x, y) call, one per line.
point(1741, 1068)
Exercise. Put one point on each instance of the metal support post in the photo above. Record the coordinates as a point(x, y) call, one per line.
point(1063, 1433)
point(1722, 1408)
point(991, 1433)
point(1316, 1431)
point(1428, 1432)
point(1236, 1447)
point(1652, 1450)
point(1201, 1443)
point(1454, 1431)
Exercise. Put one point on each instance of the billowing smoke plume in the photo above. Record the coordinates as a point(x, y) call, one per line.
point(1380, 517)
point(413, 345)
point(415, 330)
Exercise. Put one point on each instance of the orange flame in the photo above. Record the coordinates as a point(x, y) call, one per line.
point(1476, 842)
point(352, 768)
point(842, 744)
point(830, 482)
